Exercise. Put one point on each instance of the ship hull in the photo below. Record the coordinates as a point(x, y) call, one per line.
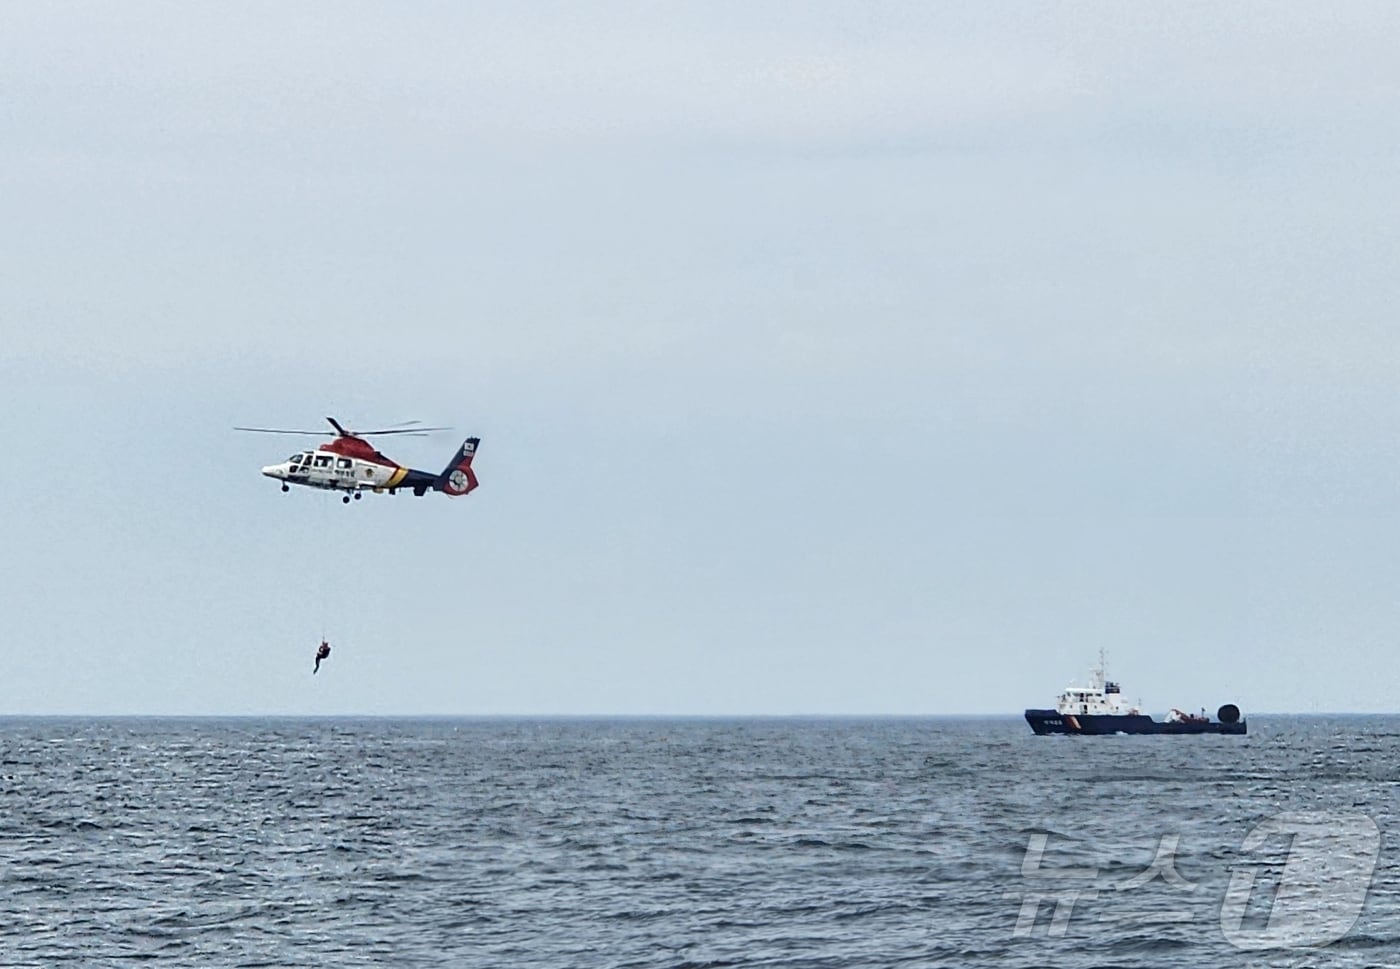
point(1052, 722)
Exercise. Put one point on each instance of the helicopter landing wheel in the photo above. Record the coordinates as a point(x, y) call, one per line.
point(285, 488)
point(346, 499)
point(357, 496)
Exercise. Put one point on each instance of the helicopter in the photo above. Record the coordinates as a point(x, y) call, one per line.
point(351, 464)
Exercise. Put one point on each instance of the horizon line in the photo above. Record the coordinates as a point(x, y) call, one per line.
point(600, 716)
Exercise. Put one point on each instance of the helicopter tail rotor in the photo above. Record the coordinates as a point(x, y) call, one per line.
point(458, 478)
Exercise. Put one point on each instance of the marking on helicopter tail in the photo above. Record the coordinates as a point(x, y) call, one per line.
point(398, 476)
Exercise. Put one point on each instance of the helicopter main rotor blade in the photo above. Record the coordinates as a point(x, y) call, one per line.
point(403, 430)
point(277, 430)
point(404, 427)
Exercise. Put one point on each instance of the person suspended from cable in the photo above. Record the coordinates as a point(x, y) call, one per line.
point(322, 652)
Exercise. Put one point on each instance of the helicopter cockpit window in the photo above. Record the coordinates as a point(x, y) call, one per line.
point(294, 459)
point(323, 461)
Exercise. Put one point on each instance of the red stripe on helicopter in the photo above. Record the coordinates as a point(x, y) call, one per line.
point(354, 447)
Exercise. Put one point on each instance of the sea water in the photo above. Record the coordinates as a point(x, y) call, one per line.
point(695, 843)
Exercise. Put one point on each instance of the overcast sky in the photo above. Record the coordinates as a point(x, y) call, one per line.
point(827, 357)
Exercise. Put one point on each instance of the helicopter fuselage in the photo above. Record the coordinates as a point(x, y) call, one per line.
point(349, 464)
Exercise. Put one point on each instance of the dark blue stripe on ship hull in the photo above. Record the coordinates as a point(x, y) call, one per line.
point(1052, 721)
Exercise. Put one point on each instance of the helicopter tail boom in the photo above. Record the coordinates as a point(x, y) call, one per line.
point(458, 478)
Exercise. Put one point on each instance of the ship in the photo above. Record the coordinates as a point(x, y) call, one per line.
point(1099, 708)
